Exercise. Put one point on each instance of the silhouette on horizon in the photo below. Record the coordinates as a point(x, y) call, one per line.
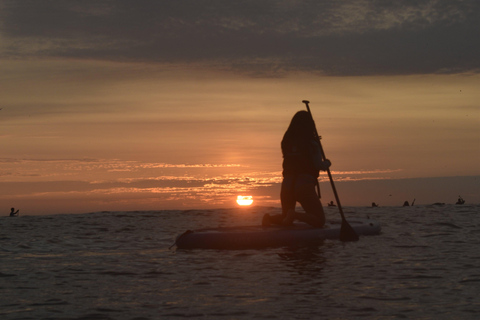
point(13, 213)
point(331, 204)
point(302, 161)
point(460, 200)
point(374, 205)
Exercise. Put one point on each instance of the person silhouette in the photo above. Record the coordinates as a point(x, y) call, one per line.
point(302, 161)
point(374, 205)
point(460, 200)
point(13, 213)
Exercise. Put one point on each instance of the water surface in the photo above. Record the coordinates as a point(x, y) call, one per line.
point(118, 265)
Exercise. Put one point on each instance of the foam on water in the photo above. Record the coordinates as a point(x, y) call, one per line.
point(117, 265)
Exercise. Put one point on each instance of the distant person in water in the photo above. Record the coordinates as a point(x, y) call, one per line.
point(13, 213)
point(460, 200)
point(331, 204)
point(302, 161)
point(405, 204)
point(374, 205)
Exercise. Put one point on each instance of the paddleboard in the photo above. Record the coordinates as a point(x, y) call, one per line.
point(257, 237)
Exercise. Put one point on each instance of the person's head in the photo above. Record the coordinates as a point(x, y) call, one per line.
point(301, 124)
point(13, 209)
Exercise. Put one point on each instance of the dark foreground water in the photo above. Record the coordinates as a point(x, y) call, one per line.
point(118, 265)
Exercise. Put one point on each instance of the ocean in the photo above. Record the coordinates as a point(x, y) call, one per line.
point(119, 265)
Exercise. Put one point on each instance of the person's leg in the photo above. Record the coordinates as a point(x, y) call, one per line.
point(287, 197)
point(308, 198)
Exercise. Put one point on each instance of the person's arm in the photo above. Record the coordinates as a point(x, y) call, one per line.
point(318, 162)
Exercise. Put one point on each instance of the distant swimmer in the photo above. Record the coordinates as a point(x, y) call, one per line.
point(331, 204)
point(374, 205)
point(13, 213)
point(406, 204)
point(460, 200)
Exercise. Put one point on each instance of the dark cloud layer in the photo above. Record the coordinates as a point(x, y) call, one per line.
point(259, 37)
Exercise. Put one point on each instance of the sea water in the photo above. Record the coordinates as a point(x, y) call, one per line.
point(119, 265)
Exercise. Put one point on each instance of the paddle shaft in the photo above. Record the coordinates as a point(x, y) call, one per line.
point(328, 169)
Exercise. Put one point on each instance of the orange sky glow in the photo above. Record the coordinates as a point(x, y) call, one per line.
point(157, 139)
point(86, 126)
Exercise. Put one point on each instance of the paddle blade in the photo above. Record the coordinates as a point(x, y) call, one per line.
point(347, 233)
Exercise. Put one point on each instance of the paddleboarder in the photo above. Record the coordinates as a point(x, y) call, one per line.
point(302, 161)
point(460, 200)
point(13, 213)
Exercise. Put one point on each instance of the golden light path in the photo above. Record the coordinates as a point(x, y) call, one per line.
point(244, 200)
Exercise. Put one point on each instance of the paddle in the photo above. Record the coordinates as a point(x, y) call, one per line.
point(346, 231)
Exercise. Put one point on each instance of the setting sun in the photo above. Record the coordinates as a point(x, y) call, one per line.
point(244, 200)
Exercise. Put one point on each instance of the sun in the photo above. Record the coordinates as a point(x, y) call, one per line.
point(244, 200)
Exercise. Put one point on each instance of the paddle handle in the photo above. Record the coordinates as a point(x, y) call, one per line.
point(324, 158)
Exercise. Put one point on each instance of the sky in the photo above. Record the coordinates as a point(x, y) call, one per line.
point(151, 105)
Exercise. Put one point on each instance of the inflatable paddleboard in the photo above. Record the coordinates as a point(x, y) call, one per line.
point(257, 237)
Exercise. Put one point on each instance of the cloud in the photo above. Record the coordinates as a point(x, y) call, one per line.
point(257, 37)
point(40, 177)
